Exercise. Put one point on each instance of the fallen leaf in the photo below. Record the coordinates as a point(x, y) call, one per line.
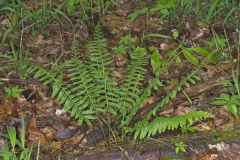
point(7, 108)
point(49, 133)
point(34, 133)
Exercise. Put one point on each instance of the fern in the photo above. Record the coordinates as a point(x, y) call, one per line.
point(153, 85)
point(46, 76)
point(190, 79)
point(132, 81)
point(99, 61)
point(88, 88)
point(67, 94)
point(75, 48)
point(147, 128)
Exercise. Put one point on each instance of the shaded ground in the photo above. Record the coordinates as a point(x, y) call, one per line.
point(61, 135)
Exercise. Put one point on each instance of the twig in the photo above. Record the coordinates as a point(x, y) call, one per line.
point(18, 80)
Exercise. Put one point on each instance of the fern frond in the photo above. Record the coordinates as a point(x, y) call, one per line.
point(75, 48)
point(65, 93)
point(99, 61)
point(146, 128)
point(82, 84)
point(132, 81)
point(45, 76)
point(190, 79)
point(98, 32)
point(154, 84)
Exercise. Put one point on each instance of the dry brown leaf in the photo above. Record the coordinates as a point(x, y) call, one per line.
point(49, 133)
point(7, 108)
point(34, 133)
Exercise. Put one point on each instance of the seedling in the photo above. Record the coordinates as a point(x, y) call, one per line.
point(188, 128)
point(14, 92)
point(180, 147)
point(232, 102)
point(18, 149)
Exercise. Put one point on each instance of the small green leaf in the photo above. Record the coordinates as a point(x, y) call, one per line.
point(14, 92)
point(225, 97)
point(70, 6)
point(12, 136)
point(233, 109)
point(155, 61)
point(111, 110)
point(218, 102)
point(190, 57)
point(204, 52)
point(133, 16)
point(175, 34)
point(90, 117)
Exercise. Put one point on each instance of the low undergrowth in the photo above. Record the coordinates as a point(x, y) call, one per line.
point(88, 90)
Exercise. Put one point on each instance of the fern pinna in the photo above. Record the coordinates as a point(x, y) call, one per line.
point(88, 89)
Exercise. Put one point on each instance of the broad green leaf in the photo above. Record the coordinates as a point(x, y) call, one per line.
point(235, 100)
point(12, 136)
point(233, 109)
point(190, 57)
point(225, 97)
point(205, 52)
point(218, 102)
point(70, 6)
point(133, 16)
point(14, 92)
point(156, 61)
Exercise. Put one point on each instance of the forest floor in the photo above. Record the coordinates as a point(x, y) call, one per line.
point(60, 136)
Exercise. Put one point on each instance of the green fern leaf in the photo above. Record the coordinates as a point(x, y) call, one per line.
point(146, 128)
point(135, 74)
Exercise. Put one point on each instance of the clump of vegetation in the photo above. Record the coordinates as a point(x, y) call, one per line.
point(91, 90)
point(85, 84)
point(17, 148)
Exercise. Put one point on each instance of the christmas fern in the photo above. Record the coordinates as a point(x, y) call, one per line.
point(130, 91)
point(65, 93)
point(154, 84)
point(147, 128)
point(99, 60)
point(89, 88)
point(86, 89)
point(187, 81)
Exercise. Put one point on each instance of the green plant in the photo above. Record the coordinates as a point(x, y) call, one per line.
point(162, 6)
point(232, 102)
point(209, 11)
point(188, 128)
point(13, 18)
point(11, 62)
point(205, 11)
point(156, 61)
point(18, 15)
point(14, 92)
point(188, 54)
point(236, 81)
point(217, 45)
point(17, 149)
point(148, 128)
point(88, 89)
point(180, 147)
point(125, 46)
point(87, 8)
